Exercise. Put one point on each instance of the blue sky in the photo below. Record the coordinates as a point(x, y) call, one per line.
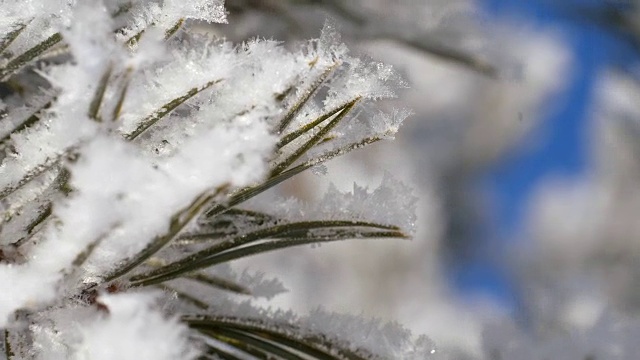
point(562, 151)
point(564, 147)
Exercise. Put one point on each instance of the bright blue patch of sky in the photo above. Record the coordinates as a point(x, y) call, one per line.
point(562, 149)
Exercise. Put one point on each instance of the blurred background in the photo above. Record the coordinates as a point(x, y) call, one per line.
point(523, 151)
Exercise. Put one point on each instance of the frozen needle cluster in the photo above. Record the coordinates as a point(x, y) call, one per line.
point(129, 146)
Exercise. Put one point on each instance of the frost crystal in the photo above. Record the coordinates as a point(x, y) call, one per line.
point(392, 203)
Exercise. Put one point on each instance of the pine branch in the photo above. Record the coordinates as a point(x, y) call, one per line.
point(293, 234)
point(11, 36)
point(153, 118)
point(315, 139)
point(8, 349)
point(306, 96)
point(310, 126)
point(235, 338)
point(94, 107)
point(27, 123)
point(314, 346)
point(177, 223)
point(117, 180)
point(185, 297)
point(218, 283)
point(23, 59)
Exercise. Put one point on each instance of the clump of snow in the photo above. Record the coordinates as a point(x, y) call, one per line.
point(114, 175)
point(206, 10)
point(131, 330)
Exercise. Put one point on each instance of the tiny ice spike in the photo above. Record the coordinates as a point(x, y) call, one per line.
point(130, 146)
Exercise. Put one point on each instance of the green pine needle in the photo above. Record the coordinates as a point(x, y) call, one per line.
point(24, 58)
point(10, 36)
point(166, 109)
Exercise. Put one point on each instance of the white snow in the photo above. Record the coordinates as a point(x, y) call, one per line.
point(132, 330)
